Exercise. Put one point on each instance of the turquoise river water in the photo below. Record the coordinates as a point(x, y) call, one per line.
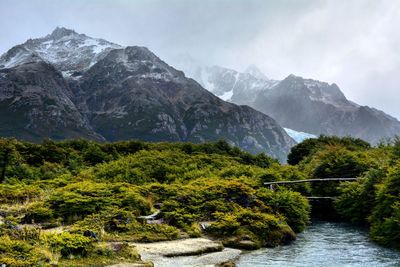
point(325, 244)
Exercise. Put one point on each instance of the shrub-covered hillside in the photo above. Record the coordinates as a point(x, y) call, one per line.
point(75, 203)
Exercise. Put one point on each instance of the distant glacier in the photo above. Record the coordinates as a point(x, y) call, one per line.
point(299, 136)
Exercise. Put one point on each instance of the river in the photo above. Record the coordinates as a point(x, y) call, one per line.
point(325, 244)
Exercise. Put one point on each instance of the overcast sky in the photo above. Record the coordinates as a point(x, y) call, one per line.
point(354, 43)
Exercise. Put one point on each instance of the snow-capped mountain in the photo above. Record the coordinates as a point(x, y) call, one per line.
point(69, 85)
point(230, 85)
point(70, 52)
point(319, 108)
point(304, 105)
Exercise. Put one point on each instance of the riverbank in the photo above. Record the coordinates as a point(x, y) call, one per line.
point(186, 252)
point(321, 244)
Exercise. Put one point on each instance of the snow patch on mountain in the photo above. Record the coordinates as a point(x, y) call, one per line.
point(299, 136)
point(67, 50)
point(19, 58)
point(227, 95)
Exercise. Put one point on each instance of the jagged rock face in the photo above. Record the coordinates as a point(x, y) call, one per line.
point(67, 85)
point(133, 94)
point(319, 108)
point(35, 103)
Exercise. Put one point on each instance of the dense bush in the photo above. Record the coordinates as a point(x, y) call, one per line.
point(385, 217)
point(263, 229)
point(309, 146)
point(69, 244)
point(357, 199)
point(292, 205)
point(335, 162)
point(20, 253)
point(77, 200)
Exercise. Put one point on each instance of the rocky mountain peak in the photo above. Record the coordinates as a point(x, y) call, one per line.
point(61, 32)
point(70, 52)
point(316, 90)
point(141, 53)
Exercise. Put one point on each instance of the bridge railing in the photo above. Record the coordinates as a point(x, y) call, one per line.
point(310, 180)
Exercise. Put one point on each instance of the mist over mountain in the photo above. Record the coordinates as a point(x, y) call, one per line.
point(68, 85)
point(303, 105)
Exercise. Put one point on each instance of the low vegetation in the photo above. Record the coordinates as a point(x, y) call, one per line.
point(78, 203)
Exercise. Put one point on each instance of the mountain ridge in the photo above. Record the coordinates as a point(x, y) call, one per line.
point(303, 105)
point(117, 93)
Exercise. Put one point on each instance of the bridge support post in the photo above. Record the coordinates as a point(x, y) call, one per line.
point(271, 187)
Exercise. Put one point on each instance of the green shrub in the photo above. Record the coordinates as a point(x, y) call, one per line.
point(385, 217)
point(77, 200)
point(357, 199)
point(267, 229)
point(292, 205)
point(309, 146)
point(69, 244)
point(38, 212)
point(20, 253)
point(18, 193)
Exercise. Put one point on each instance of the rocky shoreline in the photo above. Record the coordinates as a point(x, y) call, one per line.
point(187, 252)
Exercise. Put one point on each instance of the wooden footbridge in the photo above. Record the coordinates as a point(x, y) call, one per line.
point(271, 184)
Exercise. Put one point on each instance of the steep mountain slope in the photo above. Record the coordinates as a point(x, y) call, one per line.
point(35, 103)
point(303, 105)
point(97, 89)
point(131, 93)
point(319, 108)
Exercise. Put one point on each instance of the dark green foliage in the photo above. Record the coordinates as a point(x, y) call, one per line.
point(335, 162)
point(310, 146)
point(339, 162)
point(291, 205)
point(357, 199)
point(385, 218)
point(396, 148)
